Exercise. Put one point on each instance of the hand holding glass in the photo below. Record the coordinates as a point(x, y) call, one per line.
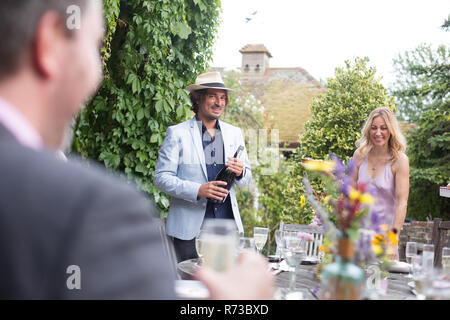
point(219, 243)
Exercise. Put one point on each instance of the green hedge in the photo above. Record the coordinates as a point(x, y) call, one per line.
point(154, 49)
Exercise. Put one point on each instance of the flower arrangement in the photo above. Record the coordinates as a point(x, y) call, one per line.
point(347, 211)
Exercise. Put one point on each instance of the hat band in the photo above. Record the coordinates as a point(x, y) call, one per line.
point(213, 84)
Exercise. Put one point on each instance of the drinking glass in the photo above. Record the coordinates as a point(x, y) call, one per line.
point(446, 258)
point(199, 246)
point(418, 275)
point(410, 252)
point(294, 252)
point(219, 243)
point(428, 256)
point(278, 240)
point(260, 235)
point(246, 244)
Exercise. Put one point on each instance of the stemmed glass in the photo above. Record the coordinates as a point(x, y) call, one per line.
point(260, 235)
point(279, 242)
point(199, 246)
point(294, 252)
point(428, 256)
point(410, 252)
point(446, 258)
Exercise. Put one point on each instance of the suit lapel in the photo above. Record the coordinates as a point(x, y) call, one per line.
point(198, 146)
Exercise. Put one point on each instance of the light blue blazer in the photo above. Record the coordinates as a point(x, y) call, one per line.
point(181, 170)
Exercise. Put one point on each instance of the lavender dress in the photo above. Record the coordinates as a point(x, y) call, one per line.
point(384, 186)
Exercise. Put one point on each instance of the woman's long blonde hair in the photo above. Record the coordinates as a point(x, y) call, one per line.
point(396, 143)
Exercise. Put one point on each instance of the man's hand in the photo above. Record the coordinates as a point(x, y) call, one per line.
point(247, 280)
point(235, 165)
point(213, 190)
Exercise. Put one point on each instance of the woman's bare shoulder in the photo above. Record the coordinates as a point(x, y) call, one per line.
point(401, 162)
point(402, 159)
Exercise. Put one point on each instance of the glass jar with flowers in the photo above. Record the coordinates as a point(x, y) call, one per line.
point(350, 210)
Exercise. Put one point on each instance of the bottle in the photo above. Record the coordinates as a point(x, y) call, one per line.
point(342, 279)
point(227, 176)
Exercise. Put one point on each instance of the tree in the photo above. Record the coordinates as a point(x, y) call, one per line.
point(339, 114)
point(423, 90)
point(155, 48)
point(423, 80)
point(429, 156)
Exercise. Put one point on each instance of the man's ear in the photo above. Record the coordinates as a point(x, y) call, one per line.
point(48, 45)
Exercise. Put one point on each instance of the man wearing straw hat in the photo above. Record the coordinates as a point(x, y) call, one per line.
point(190, 157)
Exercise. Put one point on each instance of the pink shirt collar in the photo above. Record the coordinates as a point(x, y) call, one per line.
point(19, 126)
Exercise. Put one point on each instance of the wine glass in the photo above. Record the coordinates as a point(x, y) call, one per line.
point(260, 235)
point(199, 246)
point(428, 256)
point(418, 275)
point(278, 240)
point(446, 258)
point(410, 252)
point(294, 252)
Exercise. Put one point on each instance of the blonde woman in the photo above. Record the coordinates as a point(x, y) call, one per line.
point(383, 166)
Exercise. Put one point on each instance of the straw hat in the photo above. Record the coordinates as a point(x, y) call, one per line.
point(208, 80)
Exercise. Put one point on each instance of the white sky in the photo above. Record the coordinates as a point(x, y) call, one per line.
point(319, 35)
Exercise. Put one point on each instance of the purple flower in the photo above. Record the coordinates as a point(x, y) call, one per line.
point(345, 187)
point(350, 168)
point(339, 169)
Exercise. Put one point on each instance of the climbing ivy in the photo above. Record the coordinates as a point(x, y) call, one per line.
point(153, 50)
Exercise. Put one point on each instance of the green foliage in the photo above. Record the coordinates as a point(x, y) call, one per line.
point(422, 88)
point(339, 114)
point(422, 80)
point(152, 51)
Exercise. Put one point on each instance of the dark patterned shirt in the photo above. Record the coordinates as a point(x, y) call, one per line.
point(215, 161)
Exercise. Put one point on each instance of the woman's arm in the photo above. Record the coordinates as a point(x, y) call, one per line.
point(357, 158)
point(401, 191)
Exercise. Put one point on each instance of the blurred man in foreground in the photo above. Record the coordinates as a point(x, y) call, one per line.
point(67, 231)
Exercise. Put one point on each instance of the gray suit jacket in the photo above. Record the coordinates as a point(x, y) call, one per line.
point(181, 170)
point(55, 214)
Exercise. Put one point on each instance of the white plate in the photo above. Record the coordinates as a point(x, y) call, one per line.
point(191, 289)
point(400, 267)
point(311, 260)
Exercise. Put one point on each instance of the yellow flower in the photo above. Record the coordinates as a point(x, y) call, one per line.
point(354, 194)
point(392, 238)
point(377, 249)
point(302, 200)
point(367, 198)
point(319, 165)
point(327, 198)
point(378, 239)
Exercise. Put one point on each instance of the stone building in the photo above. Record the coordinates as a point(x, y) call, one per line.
point(286, 93)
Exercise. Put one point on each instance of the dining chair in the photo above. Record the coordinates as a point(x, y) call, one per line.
point(312, 246)
point(169, 248)
point(441, 238)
